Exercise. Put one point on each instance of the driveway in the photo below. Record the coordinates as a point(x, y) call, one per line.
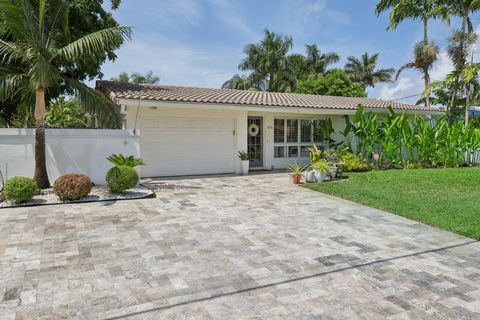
point(232, 248)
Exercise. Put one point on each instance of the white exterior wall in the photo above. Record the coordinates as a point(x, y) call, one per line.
point(269, 160)
point(68, 151)
point(177, 111)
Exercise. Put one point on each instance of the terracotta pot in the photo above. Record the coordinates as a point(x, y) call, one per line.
point(296, 179)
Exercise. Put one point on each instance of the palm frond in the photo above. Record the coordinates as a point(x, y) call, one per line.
point(410, 65)
point(95, 103)
point(96, 43)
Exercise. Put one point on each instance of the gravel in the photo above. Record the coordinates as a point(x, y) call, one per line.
point(98, 193)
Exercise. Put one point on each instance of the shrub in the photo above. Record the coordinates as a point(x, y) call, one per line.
point(128, 161)
point(121, 178)
point(20, 189)
point(72, 186)
point(355, 163)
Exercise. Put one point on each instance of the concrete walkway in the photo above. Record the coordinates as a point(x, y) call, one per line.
point(232, 247)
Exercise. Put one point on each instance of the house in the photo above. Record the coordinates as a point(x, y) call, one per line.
point(185, 130)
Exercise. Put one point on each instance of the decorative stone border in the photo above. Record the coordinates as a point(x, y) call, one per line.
point(98, 194)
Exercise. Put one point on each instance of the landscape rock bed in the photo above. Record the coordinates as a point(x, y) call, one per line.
point(98, 193)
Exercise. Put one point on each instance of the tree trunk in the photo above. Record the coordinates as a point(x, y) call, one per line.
point(426, 76)
point(40, 175)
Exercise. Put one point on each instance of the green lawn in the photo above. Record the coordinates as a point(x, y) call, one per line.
point(446, 198)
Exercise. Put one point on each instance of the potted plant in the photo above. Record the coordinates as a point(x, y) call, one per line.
point(296, 169)
point(322, 169)
point(245, 161)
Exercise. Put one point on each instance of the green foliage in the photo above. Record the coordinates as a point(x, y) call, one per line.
point(321, 165)
point(136, 77)
point(355, 163)
point(128, 161)
point(72, 186)
point(121, 178)
point(20, 189)
point(296, 168)
point(365, 72)
point(38, 53)
point(242, 155)
point(64, 113)
point(334, 83)
point(314, 154)
point(397, 139)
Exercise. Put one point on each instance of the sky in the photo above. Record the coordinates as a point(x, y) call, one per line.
point(200, 42)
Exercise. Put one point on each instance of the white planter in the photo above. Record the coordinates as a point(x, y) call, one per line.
point(310, 176)
point(245, 166)
point(320, 175)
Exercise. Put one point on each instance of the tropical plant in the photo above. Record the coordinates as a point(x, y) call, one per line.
point(63, 113)
point(321, 165)
point(31, 61)
point(84, 17)
point(241, 83)
point(243, 156)
point(334, 83)
point(20, 189)
point(128, 161)
point(296, 168)
point(365, 72)
point(426, 52)
point(136, 77)
point(317, 62)
point(314, 154)
point(121, 178)
point(355, 163)
point(268, 61)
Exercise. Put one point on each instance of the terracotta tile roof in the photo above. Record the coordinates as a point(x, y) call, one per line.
point(118, 90)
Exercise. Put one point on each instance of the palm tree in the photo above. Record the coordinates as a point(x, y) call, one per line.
point(365, 72)
point(30, 62)
point(461, 42)
point(240, 83)
point(426, 53)
point(268, 61)
point(317, 61)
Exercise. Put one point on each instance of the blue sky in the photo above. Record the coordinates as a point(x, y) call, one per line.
point(200, 42)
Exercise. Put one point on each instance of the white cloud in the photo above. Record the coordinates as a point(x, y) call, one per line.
point(172, 13)
point(176, 63)
point(320, 8)
point(396, 90)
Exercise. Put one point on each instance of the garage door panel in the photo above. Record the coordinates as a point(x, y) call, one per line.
point(181, 146)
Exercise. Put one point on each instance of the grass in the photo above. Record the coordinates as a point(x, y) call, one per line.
point(445, 198)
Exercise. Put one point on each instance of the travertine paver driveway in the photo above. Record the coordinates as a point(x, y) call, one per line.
point(232, 248)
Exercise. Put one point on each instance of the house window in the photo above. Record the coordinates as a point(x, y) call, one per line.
point(293, 152)
point(292, 130)
point(306, 131)
point(279, 152)
point(293, 137)
point(279, 130)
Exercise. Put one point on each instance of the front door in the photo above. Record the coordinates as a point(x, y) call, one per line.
point(255, 141)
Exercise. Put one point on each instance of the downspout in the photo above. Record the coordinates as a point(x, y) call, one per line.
point(136, 117)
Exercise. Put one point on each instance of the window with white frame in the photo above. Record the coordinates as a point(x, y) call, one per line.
point(293, 137)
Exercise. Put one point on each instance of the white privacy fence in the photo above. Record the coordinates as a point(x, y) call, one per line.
point(68, 150)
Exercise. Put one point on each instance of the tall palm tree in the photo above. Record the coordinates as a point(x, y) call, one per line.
point(460, 43)
point(365, 72)
point(268, 61)
point(426, 53)
point(317, 61)
point(30, 62)
point(241, 83)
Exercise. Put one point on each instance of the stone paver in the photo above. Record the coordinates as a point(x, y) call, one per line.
point(232, 247)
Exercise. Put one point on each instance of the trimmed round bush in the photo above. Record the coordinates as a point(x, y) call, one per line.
point(72, 186)
point(121, 178)
point(20, 189)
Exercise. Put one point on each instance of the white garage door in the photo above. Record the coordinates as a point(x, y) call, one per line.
point(183, 146)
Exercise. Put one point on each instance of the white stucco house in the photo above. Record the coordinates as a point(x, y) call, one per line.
point(186, 131)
